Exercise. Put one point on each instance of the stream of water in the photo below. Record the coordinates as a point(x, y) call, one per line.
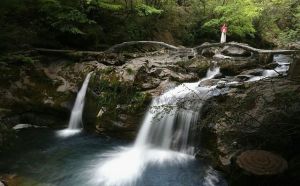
point(75, 123)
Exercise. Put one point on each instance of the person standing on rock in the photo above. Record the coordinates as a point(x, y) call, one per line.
point(223, 33)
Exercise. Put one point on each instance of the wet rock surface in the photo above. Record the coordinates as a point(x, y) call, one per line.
point(42, 93)
point(258, 115)
point(235, 52)
point(37, 93)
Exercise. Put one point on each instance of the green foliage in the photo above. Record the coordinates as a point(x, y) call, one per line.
point(145, 10)
point(63, 18)
point(280, 21)
point(292, 34)
point(100, 4)
point(16, 58)
point(109, 89)
point(69, 22)
point(94, 24)
point(238, 14)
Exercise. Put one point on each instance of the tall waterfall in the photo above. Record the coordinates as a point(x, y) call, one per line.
point(75, 122)
point(164, 136)
point(168, 121)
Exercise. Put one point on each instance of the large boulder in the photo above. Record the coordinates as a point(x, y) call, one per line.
point(235, 52)
point(254, 116)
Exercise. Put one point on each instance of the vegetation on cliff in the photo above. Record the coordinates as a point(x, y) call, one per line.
point(96, 24)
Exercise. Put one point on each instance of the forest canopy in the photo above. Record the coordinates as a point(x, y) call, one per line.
point(96, 24)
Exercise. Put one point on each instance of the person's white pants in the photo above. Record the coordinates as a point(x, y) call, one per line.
point(223, 37)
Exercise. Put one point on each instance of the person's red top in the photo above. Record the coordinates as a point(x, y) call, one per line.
point(224, 28)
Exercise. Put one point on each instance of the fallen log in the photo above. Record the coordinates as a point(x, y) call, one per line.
point(131, 43)
point(245, 47)
point(74, 52)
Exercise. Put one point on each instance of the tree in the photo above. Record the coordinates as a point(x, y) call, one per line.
point(238, 14)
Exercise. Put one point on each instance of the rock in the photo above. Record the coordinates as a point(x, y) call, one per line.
point(272, 65)
point(294, 46)
point(235, 84)
point(221, 57)
point(244, 77)
point(218, 76)
point(49, 101)
point(186, 53)
point(235, 52)
point(208, 82)
point(253, 72)
point(24, 126)
point(221, 84)
point(252, 117)
point(150, 84)
point(111, 59)
point(208, 52)
point(101, 112)
point(225, 161)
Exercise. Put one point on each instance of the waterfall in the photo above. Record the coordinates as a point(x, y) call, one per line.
point(76, 115)
point(168, 121)
point(75, 122)
point(164, 136)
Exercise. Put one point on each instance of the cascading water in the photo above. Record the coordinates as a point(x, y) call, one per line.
point(163, 138)
point(170, 117)
point(75, 122)
point(283, 63)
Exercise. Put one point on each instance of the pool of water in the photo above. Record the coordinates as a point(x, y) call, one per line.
point(44, 158)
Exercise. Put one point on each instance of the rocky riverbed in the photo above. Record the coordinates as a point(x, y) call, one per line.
point(39, 88)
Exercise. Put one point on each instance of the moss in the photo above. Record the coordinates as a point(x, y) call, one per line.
point(129, 71)
point(106, 71)
point(113, 93)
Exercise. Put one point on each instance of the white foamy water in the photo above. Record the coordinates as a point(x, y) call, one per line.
point(124, 166)
point(75, 123)
point(166, 125)
point(164, 136)
point(283, 62)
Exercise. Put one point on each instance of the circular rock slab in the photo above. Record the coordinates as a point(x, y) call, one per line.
point(260, 162)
